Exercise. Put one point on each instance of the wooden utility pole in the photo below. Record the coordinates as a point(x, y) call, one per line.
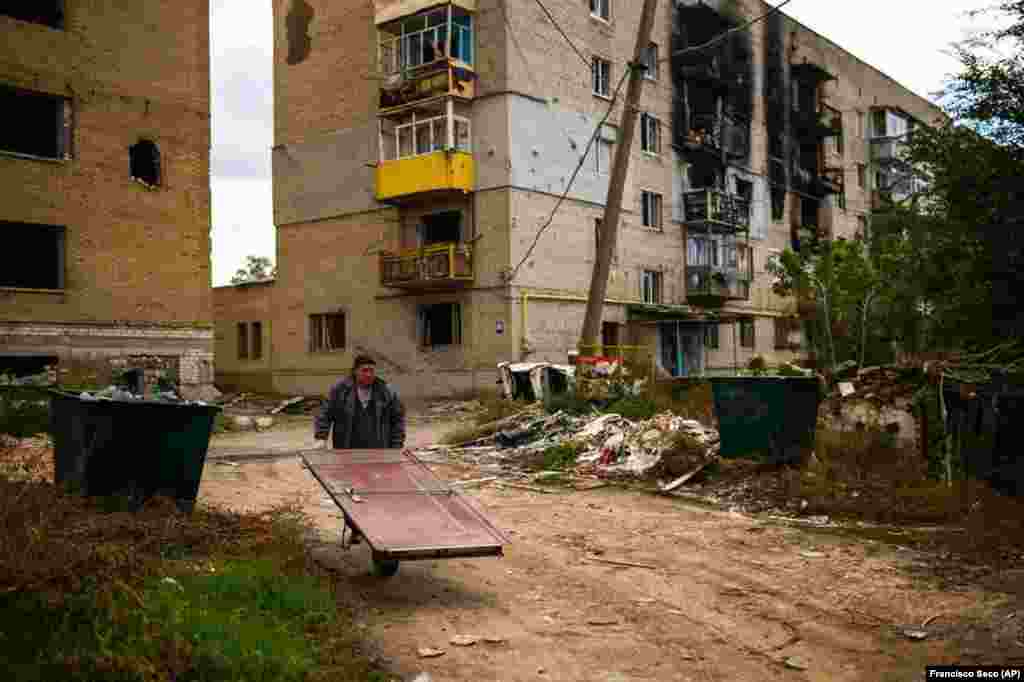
point(613, 207)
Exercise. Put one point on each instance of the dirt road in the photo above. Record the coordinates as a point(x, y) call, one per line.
point(712, 595)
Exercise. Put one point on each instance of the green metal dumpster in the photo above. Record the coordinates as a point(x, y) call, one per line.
point(130, 447)
point(773, 416)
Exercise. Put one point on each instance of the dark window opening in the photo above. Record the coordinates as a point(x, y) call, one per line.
point(702, 177)
point(257, 340)
point(440, 228)
point(326, 332)
point(609, 335)
point(243, 341)
point(36, 124)
point(440, 324)
point(778, 203)
point(745, 189)
point(144, 163)
point(808, 212)
point(784, 329)
point(37, 260)
point(46, 12)
point(747, 333)
point(26, 365)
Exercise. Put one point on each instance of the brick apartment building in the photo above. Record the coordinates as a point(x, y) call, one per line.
point(421, 145)
point(104, 160)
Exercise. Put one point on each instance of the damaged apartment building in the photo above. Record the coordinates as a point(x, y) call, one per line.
point(104, 159)
point(421, 147)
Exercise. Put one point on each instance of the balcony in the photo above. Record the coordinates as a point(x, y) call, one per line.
point(440, 171)
point(436, 79)
point(424, 150)
point(707, 209)
point(437, 266)
point(890, 151)
point(810, 72)
point(709, 134)
point(817, 124)
point(708, 286)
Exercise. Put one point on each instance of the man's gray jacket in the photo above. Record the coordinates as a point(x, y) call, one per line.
point(389, 415)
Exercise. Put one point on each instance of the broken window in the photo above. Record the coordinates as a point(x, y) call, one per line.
point(650, 286)
point(601, 9)
point(327, 332)
point(36, 260)
point(144, 162)
point(778, 203)
point(601, 71)
point(747, 339)
point(243, 341)
point(711, 336)
point(36, 123)
point(440, 324)
point(257, 340)
point(650, 62)
point(650, 204)
point(440, 228)
point(46, 12)
point(650, 134)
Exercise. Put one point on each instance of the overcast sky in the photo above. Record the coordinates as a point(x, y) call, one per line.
point(904, 38)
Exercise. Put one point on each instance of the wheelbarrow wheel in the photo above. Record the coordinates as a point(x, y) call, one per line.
point(383, 568)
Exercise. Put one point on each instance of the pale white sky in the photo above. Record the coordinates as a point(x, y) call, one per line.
point(904, 38)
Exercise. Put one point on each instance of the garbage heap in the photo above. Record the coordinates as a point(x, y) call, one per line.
point(875, 397)
point(116, 393)
point(608, 445)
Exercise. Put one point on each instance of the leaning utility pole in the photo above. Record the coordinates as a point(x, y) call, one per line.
point(610, 223)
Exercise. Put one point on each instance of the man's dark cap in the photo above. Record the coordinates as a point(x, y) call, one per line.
point(363, 359)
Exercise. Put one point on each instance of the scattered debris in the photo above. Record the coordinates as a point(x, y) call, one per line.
point(286, 404)
point(915, 634)
point(629, 564)
point(812, 555)
point(243, 423)
point(796, 663)
point(602, 621)
point(464, 640)
point(474, 481)
point(428, 652)
point(422, 677)
point(263, 423)
point(929, 619)
point(494, 639)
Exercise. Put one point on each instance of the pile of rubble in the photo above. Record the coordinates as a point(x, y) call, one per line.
point(608, 445)
point(114, 393)
point(449, 409)
point(877, 397)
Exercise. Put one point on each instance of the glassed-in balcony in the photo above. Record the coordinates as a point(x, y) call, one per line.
point(710, 209)
point(424, 151)
point(718, 270)
point(436, 266)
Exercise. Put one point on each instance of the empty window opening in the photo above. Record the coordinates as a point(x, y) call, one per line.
point(440, 228)
point(327, 332)
point(808, 212)
point(747, 339)
point(257, 340)
point(243, 341)
point(778, 203)
point(46, 12)
point(37, 124)
point(650, 286)
point(440, 324)
point(702, 177)
point(745, 189)
point(26, 365)
point(650, 62)
point(610, 336)
point(37, 260)
point(601, 9)
point(144, 162)
point(297, 31)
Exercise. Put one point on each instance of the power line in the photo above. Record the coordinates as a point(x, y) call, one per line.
point(586, 61)
point(583, 158)
point(722, 36)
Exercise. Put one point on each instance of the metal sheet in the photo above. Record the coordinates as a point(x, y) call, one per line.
point(401, 508)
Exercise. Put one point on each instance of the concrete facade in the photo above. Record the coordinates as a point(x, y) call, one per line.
point(130, 260)
point(532, 114)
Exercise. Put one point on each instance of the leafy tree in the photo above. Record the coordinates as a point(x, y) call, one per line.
point(257, 269)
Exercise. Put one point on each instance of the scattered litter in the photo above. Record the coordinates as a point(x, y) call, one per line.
point(422, 677)
point(474, 481)
point(464, 640)
point(428, 652)
point(602, 621)
point(174, 583)
point(929, 619)
point(846, 388)
point(915, 634)
point(264, 423)
point(494, 639)
point(796, 663)
point(628, 564)
point(812, 555)
point(225, 463)
point(286, 404)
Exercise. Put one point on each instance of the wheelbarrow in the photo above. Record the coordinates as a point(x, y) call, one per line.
point(400, 508)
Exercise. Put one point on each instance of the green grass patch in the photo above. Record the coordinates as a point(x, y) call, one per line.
point(561, 456)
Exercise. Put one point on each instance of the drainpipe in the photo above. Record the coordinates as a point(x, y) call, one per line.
point(524, 343)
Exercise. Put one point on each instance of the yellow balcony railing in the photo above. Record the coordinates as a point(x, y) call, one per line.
point(438, 265)
point(436, 171)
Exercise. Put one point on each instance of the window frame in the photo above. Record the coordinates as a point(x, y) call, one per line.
point(651, 281)
point(319, 340)
point(596, 64)
point(748, 324)
point(242, 337)
point(650, 60)
point(595, 10)
point(655, 210)
point(597, 150)
point(457, 331)
point(650, 134)
point(256, 340)
point(712, 336)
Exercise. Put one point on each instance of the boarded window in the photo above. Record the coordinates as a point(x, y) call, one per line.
point(46, 12)
point(257, 340)
point(35, 123)
point(747, 339)
point(440, 324)
point(243, 341)
point(144, 162)
point(35, 257)
point(327, 332)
